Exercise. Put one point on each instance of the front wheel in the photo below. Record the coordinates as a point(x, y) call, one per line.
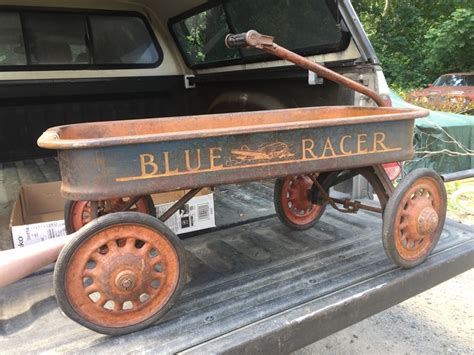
point(120, 273)
point(293, 202)
point(414, 218)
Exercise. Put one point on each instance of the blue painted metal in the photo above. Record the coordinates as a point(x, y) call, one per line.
point(96, 168)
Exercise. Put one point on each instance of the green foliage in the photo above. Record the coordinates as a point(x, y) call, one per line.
point(417, 40)
point(451, 43)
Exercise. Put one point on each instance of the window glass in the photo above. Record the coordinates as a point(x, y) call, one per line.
point(122, 40)
point(294, 24)
point(43, 40)
point(306, 26)
point(56, 38)
point(12, 49)
point(202, 37)
point(455, 80)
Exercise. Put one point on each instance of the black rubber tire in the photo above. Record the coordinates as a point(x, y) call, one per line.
point(390, 212)
point(89, 231)
point(69, 208)
point(277, 193)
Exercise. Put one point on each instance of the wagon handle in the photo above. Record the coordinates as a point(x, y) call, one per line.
point(253, 39)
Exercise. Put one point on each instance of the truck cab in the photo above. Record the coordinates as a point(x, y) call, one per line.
point(78, 61)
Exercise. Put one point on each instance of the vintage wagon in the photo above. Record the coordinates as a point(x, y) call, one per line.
point(122, 271)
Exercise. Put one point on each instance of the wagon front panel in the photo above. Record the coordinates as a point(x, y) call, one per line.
point(135, 169)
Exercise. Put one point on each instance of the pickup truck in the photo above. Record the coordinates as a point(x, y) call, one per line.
point(253, 285)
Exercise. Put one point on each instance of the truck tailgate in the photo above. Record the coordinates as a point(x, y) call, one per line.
point(253, 285)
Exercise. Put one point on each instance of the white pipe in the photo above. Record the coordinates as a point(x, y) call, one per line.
point(15, 264)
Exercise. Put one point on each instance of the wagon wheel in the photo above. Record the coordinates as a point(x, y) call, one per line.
point(414, 217)
point(293, 202)
point(78, 213)
point(120, 273)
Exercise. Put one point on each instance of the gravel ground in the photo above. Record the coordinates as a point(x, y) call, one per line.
point(437, 321)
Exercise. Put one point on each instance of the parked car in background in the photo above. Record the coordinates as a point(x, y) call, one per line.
point(450, 92)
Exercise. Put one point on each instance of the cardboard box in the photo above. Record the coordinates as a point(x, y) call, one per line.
point(38, 213)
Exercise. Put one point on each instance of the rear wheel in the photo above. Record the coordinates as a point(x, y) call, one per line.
point(414, 218)
point(293, 202)
point(120, 273)
point(78, 213)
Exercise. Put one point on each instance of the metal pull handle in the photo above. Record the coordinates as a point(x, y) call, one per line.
point(251, 39)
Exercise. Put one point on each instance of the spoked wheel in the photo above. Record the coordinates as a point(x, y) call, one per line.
point(414, 218)
point(293, 202)
point(78, 213)
point(120, 273)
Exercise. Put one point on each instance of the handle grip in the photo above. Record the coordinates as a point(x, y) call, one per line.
point(251, 39)
point(235, 41)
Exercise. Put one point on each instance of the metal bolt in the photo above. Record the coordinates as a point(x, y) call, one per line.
point(125, 280)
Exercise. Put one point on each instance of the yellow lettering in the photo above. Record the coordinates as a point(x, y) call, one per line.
point(361, 139)
point(328, 146)
point(379, 138)
point(308, 149)
point(148, 160)
point(213, 157)
point(166, 158)
point(342, 146)
point(188, 160)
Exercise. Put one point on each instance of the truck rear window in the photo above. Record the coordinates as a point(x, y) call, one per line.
point(36, 40)
point(305, 26)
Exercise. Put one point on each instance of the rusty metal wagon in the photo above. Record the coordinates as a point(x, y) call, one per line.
point(122, 271)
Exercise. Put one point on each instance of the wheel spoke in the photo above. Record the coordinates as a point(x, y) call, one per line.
point(150, 290)
point(89, 273)
point(293, 191)
point(130, 244)
point(102, 300)
point(405, 214)
point(118, 306)
point(404, 225)
point(158, 275)
point(112, 246)
point(157, 259)
point(91, 289)
point(145, 250)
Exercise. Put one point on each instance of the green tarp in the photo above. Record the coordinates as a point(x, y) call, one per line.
point(443, 141)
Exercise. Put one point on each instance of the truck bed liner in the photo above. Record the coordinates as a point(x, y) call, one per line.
point(253, 285)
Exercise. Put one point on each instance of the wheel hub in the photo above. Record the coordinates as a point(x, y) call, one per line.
point(420, 217)
point(125, 274)
point(300, 193)
point(125, 280)
point(427, 221)
point(296, 201)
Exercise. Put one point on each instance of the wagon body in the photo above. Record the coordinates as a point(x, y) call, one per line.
point(127, 158)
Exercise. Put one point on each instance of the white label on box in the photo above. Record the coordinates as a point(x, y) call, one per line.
point(39, 232)
point(197, 214)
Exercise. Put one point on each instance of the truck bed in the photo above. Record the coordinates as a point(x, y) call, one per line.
point(253, 284)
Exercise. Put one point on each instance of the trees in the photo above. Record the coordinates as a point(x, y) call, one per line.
point(451, 43)
point(418, 40)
